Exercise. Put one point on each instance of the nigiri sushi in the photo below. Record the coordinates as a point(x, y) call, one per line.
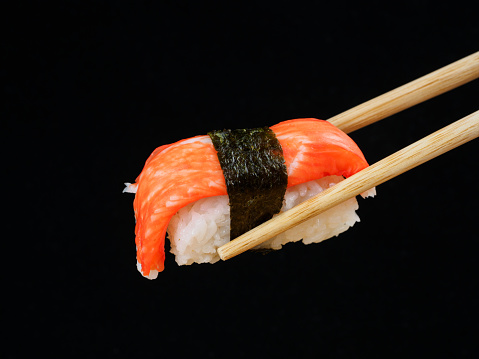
point(182, 192)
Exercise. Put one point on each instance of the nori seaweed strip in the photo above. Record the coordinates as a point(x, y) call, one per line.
point(255, 173)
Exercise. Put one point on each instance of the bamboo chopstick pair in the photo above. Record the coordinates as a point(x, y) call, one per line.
point(401, 98)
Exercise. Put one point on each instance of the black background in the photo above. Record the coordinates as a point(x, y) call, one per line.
point(90, 88)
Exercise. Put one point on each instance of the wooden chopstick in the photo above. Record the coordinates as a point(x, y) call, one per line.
point(447, 138)
point(424, 88)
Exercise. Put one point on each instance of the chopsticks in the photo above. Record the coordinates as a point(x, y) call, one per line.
point(439, 142)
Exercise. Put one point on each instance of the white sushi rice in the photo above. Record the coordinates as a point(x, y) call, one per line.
point(200, 228)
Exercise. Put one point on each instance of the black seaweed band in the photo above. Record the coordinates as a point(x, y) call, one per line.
point(255, 173)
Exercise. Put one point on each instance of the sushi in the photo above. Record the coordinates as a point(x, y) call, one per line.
point(185, 190)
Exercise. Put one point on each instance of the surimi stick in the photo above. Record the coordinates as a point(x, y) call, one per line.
point(207, 189)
